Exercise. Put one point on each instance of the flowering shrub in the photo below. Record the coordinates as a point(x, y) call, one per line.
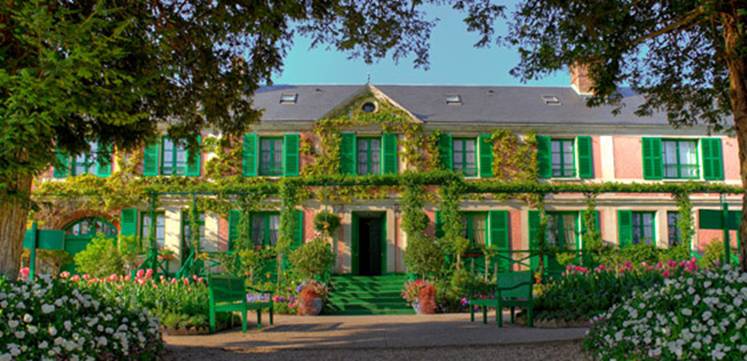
point(55, 320)
point(693, 316)
point(411, 292)
point(581, 293)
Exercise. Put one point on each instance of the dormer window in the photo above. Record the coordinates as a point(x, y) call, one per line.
point(368, 107)
point(453, 99)
point(551, 100)
point(288, 98)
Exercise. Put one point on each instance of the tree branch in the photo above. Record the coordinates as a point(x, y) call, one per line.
point(683, 22)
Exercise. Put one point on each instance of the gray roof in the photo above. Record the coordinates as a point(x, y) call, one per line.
point(480, 104)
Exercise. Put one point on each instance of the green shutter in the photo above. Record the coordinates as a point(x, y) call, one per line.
point(486, 156)
point(104, 164)
point(500, 237)
point(234, 222)
point(389, 159)
point(534, 223)
point(298, 228)
point(652, 161)
point(250, 155)
point(445, 151)
point(585, 159)
point(439, 225)
point(544, 156)
point(194, 163)
point(347, 154)
point(128, 222)
point(624, 227)
point(713, 163)
point(151, 158)
point(61, 166)
point(290, 155)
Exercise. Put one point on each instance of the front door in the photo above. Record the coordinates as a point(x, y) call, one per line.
point(369, 257)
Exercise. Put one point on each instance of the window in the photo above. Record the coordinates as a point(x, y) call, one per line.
point(160, 229)
point(562, 229)
point(453, 99)
point(463, 156)
point(288, 98)
point(86, 163)
point(368, 107)
point(644, 227)
point(675, 237)
point(563, 158)
point(474, 227)
point(369, 153)
point(174, 158)
point(680, 158)
point(264, 228)
point(551, 100)
point(187, 229)
point(90, 227)
point(271, 156)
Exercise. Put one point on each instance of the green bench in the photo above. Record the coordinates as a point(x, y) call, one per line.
point(513, 289)
point(229, 294)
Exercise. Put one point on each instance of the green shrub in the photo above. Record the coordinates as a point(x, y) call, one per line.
point(713, 254)
point(313, 260)
point(423, 256)
point(694, 316)
point(581, 295)
point(100, 258)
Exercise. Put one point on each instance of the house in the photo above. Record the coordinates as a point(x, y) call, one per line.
point(391, 129)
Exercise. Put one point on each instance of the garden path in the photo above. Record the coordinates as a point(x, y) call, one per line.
point(326, 336)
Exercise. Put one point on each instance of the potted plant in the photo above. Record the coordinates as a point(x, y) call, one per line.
point(311, 297)
point(421, 295)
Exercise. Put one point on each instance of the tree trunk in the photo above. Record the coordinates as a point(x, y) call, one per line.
point(737, 64)
point(14, 209)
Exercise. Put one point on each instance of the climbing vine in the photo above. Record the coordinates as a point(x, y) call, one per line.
point(514, 158)
point(685, 217)
point(451, 221)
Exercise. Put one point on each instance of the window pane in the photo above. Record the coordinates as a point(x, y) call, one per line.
point(458, 155)
point(167, 166)
point(669, 149)
point(551, 230)
point(478, 227)
point(569, 231)
point(278, 160)
point(274, 228)
point(688, 159)
point(674, 231)
point(258, 227)
point(375, 156)
point(568, 169)
point(362, 156)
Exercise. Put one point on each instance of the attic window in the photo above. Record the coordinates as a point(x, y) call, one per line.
point(368, 107)
point(453, 99)
point(551, 100)
point(288, 98)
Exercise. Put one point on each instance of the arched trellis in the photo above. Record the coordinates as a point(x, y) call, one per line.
point(288, 190)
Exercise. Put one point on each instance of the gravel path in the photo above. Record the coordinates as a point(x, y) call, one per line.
point(434, 337)
point(554, 351)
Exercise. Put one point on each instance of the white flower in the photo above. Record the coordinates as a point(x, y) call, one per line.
point(6, 357)
point(13, 323)
point(687, 312)
point(43, 345)
point(28, 318)
point(20, 334)
point(46, 309)
point(68, 325)
point(32, 329)
point(52, 330)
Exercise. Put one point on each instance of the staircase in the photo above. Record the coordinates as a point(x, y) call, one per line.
point(367, 295)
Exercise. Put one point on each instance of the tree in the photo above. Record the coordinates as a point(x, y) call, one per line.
point(115, 71)
point(688, 58)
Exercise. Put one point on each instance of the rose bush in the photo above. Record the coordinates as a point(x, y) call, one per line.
point(57, 320)
point(698, 315)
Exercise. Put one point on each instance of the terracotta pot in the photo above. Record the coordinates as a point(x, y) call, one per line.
point(311, 306)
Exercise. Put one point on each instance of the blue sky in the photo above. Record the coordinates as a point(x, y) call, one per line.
point(453, 58)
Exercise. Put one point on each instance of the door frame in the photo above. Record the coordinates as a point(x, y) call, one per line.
point(355, 241)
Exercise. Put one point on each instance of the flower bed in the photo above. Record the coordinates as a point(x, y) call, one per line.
point(693, 316)
point(54, 319)
point(180, 304)
point(580, 294)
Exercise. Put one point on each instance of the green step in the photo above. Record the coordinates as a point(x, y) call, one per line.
point(367, 295)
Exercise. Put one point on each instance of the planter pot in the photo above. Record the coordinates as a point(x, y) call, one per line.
point(311, 307)
point(416, 307)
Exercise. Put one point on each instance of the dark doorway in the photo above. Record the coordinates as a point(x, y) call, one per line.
point(369, 250)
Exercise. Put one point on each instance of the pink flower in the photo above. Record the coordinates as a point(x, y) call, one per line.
point(173, 280)
point(672, 263)
point(75, 278)
point(186, 281)
point(24, 272)
point(600, 268)
point(200, 280)
point(140, 273)
point(665, 273)
point(140, 281)
point(86, 276)
point(113, 277)
point(64, 274)
point(149, 273)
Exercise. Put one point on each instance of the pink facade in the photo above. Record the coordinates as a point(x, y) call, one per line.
point(628, 157)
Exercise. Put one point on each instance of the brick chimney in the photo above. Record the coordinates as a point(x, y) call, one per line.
point(580, 81)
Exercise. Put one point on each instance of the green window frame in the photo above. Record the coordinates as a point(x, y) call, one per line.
point(464, 156)
point(187, 230)
point(173, 157)
point(674, 163)
point(264, 228)
point(160, 228)
point(90, 227)
point(563, 158)
point(87, 162)
point(368, 155)
point(643, 227)
point(475, 228)
point(563, 229)
point(271, 156)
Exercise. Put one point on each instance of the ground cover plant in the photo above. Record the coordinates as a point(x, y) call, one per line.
point(693, 315)
point(55, 319)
